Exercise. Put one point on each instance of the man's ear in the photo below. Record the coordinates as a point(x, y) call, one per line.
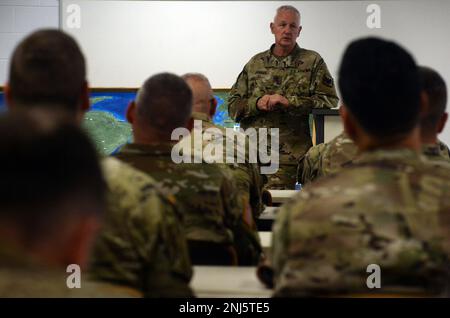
point(85, 104)
point(131, 112)
point(8, 96)
point(190, 124)
point(348, 122)
point(442, 122)
point(299, 30)
point(271, 27)
point(213, 107)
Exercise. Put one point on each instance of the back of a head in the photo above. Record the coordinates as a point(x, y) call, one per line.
point(50, 173)
point(379, 84)
point(436, 90)
point(164, 103)
point(47, 69)
point(202, 94)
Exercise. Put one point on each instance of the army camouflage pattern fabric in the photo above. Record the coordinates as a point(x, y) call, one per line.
point(437, 151)
point(206, 193)
point(24, 277)
point(246, 176)
point(142, 243)
point(328, 158)
point(390, 208)
point(303, 78)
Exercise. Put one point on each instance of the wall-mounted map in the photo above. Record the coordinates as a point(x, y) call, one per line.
point(106, 122)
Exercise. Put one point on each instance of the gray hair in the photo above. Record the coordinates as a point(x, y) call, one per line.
point(196, 77)
point(288, 8)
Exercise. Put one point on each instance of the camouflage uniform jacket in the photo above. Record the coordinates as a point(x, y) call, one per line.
point(390, 208)
point(324, 159)
point(303, 78)
point(437, 151)
point(22, 276)
point(142, 243)
point(246, 174)
point(204, 192)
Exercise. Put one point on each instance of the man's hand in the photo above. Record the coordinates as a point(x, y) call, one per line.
point(271, 102)
point(277, 99)
point(263, 103)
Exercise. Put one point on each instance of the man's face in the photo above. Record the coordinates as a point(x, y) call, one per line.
point(286, 28)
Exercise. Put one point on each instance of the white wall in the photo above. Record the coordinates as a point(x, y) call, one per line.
point(17, 19)
point(220, 36)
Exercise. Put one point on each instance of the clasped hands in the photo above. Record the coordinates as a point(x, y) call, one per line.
point(271, 102)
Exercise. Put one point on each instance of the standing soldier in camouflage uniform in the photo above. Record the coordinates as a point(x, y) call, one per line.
point(278, 88)
point(246, 175)
point(141, 243)
point(205, 192)
point(324, 159)
point(390, 207)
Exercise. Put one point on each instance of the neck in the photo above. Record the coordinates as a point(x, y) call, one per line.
point(282, 51)
point(149, 136)
point(429, 140)
point(408, 141)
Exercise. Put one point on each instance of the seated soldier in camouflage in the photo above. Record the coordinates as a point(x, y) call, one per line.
point(52, 197)
point(246, 174)
point(390, 207)
point(142, 243)
point(205, 192)
point(324, 159)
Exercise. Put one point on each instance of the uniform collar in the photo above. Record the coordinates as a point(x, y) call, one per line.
point(201, 116)
point(159, 148)
point(290, 60)
point(403, 155)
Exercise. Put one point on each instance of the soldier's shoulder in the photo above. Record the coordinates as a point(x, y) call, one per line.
point(257, 58)
point(309, 54)
point(119, 172)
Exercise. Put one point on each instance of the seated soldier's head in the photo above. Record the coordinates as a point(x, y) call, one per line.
point(203, 100)
point(434, 118)
point(48, 72)
point(163, 103)
point(379, 84)
point(51, 190)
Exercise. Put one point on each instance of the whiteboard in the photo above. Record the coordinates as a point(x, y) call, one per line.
point(127, 41)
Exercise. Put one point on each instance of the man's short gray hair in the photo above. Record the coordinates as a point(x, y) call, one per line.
point(288, 8)
point(197, 77)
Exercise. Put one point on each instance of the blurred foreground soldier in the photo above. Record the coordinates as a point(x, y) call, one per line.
point(141, 244)
point(246, 175)
point(52, 197)
point(390, 207)
point(324, 159)
point(205, 192)
point(278, 88)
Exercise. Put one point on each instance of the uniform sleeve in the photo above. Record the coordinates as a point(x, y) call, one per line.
point(142, 243)
point(280, 242)
point(322, 91)
point(309, 165)
point(241, 103)
point(169, 270)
